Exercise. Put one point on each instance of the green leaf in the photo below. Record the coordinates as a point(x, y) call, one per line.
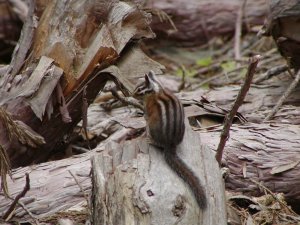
point(188, 72)
point(228, 66)
point(204, 61)
point(243, 72)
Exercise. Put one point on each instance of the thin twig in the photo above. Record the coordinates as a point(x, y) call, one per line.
point(284, 97)
point(274, 196)
point(163, 16)
point(124, 100)
point(208, 69)
point(4, 170)
point(219, 75)
point(10, 210)
point(270, 73)
point(33, 217)
point(81, 189)
point(182, 84)
point(238, 101)
point(238, 31)
point(84, 109)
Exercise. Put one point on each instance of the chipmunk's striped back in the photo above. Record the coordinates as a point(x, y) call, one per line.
point(164, 112)
point(165, 127)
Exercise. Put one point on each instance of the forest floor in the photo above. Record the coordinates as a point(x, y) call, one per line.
point(208, 68)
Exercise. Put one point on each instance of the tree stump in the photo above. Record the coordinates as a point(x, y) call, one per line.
point(133, 184)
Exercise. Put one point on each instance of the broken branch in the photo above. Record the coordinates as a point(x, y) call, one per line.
point(26, 188)
point(239, 100)
point(284, 97)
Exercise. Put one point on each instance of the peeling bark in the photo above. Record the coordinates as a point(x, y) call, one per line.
point(75, 45)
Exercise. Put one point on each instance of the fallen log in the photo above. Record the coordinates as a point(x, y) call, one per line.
point(196, 22)
point(131, 182)
point(199, 21)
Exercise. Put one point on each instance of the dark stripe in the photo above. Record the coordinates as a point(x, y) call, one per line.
point(178, 119)
point(182, 128)
point(161, 118)
point(167, 122)
point(173, 119)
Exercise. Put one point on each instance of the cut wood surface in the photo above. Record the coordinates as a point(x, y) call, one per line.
point(135, 178)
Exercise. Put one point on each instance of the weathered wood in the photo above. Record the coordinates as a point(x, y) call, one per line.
point(276, 143)
point(199, 21)
point(133, 184)
point(83, 42)
point(253, 151)
point(131, 181)
point(53, 189)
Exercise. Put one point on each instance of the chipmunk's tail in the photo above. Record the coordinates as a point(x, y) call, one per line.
point(187, 175)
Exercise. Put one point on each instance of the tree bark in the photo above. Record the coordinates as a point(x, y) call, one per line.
point(265, 153)
point(58, 189)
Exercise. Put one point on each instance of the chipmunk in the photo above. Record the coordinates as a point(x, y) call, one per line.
point(165, 128)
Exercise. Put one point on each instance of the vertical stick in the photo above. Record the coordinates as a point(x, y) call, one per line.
point(238, 101)
point(238, 31)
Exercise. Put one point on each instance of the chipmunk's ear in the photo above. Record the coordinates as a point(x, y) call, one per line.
point(151, 78)
point(152, 82)
point(151, 75)
point(147, 80)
